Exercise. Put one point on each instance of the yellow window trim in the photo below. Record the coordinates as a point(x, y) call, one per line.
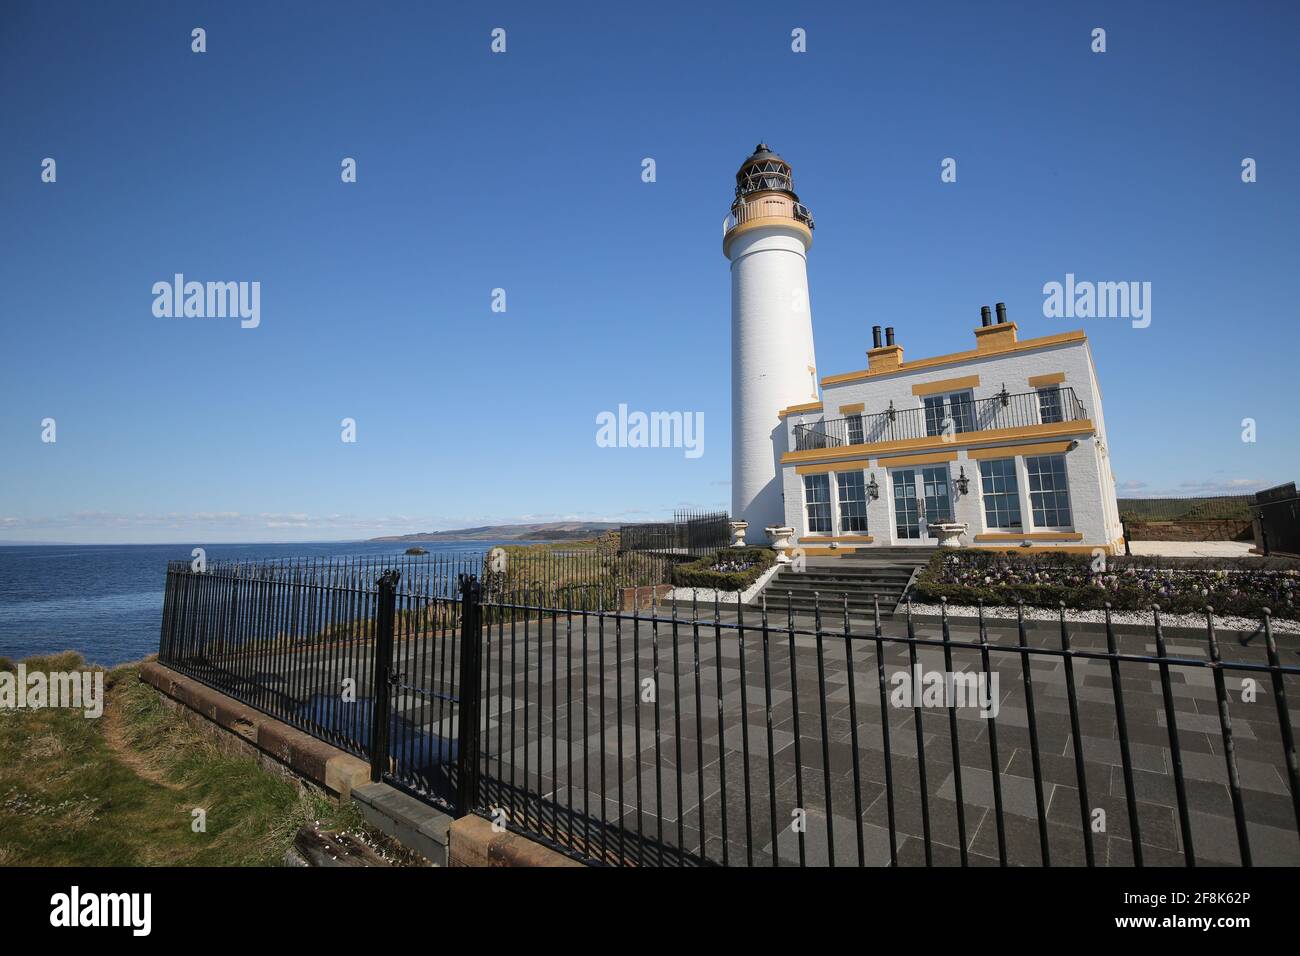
point(1036, 548)
point(1052, 378)
point(1029, 345)
point(795, 409)
point(852, 464)
point(931, 459)
point(854, 409)
point(1008, 451)
point(947, 385)
point(854, 538)
point(1030, 536)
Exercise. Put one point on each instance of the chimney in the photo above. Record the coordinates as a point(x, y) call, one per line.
point(995, 336)
point(887, 357)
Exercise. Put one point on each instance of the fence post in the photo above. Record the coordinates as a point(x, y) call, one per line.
point(469, 693)
point(1123, 527)
point(382, 670)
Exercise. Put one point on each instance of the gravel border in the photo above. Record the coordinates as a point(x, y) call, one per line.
point(1003, 613)
point(707, 595)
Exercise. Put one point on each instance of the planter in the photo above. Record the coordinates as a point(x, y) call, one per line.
point(738, 533)
point(948, 532)
point(780, 535)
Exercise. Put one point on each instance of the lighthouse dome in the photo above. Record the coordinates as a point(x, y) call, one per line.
point(764, 170)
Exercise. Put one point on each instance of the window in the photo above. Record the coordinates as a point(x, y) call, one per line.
point(854, 423)
point(1001, 493)
point(935, 413)
point(959, 407)
point(934, 491)
point(817, 499)
point(962, 408)
point(1049, 405)
point(1049, 491)
point(853, 502)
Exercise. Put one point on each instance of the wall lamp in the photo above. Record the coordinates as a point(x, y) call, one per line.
point(963, 483)
point(873, 489)
point(1003, 397)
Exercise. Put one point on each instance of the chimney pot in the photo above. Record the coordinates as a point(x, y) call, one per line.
point(875, 336)
point(986, 316)
point(1002, 313)
point(889, 335)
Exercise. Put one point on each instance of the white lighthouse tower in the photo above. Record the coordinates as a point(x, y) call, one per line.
point(766, 237)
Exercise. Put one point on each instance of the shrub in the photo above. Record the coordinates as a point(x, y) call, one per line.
point(1045, 579)
point(731, 569)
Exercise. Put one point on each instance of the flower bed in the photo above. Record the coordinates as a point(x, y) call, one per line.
point(1045, 579)
point(733, 569)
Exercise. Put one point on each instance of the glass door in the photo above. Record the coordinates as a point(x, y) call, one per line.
point(907, 506)
point(920, 497)
point(934, 492)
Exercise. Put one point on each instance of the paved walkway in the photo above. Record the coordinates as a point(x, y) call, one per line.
point(666, 732)
point(828, 755)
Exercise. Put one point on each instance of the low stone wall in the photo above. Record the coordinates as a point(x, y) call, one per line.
point(1190, 529)
point(273, 741)
point(279, 748)
point(473, 842)
point(643, 597)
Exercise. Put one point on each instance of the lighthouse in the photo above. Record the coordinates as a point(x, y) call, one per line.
point(767, 237)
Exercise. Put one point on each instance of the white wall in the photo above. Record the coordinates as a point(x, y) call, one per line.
point(771, 354)
point(1088, 467)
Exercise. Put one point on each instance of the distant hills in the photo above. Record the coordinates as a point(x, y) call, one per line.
point(544, 531)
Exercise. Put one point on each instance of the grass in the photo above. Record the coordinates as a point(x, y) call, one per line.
point(1222, 507)
point(581, 574)
point(120, 790)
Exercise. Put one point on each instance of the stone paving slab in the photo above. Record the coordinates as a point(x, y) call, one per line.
point(808, 772)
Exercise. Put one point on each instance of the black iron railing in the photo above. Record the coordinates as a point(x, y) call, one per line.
point(327, 645)
point(691, 534)
point(951, 418)
point(694, 736)
point(732, 738)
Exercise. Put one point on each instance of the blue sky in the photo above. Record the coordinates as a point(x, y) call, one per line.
point(522, 171)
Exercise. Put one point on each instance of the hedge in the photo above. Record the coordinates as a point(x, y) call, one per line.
point(704, 572)
point(1045, 579)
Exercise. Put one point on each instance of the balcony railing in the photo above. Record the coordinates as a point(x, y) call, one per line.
point(767, 207)
point(952, 418)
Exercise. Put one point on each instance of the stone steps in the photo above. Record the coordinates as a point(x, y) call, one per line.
point(859, 579)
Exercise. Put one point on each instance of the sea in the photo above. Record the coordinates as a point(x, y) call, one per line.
point(105, 601)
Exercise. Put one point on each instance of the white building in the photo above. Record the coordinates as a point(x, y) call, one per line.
point(1006, 438)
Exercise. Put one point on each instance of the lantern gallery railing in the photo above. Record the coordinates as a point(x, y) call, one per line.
point(768, 207)
point(944, 415)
